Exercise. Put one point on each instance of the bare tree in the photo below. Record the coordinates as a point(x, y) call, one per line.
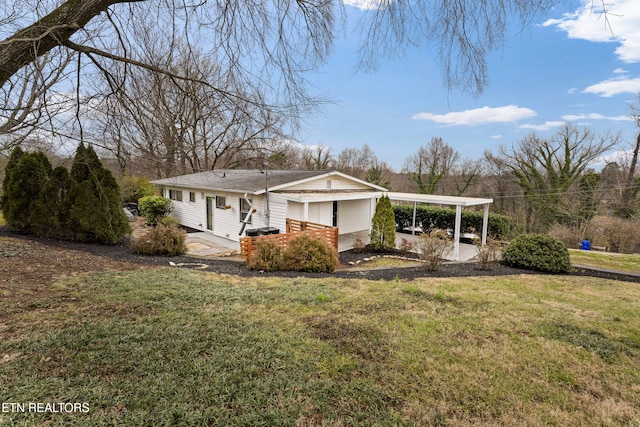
point(356, 161)
point(545, 169)
point(430, 164)
point(26, 103)
point(627, 204)
point(188, 127)
point(284, 35)
point(465, 174)
point(317, 158)
point(267, 44)
point(264, 47)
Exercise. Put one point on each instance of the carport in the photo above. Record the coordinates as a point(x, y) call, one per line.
point(458, 202)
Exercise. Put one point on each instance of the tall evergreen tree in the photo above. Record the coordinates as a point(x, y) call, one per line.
point(94, 203)
point(47, 211)
point(14, 158)
point(383, 226)
point(23, 186)
point(85, 161)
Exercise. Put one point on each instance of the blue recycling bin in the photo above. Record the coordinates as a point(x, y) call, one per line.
point(586, 245)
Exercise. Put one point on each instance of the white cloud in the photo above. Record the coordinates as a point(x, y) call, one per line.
point(544, 126)
point(496, 137)
point(620, 24)
point(572, 90)
point(620, 71)
point(595, 116)
point(479, 116)
point(611, 87)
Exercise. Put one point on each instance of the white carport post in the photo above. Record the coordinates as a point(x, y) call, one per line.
point(456, 233)
point(485, 224)
point(413, 226)
point(305, 211)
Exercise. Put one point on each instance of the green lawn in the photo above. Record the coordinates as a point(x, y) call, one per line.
point(176, 347)
point(2, 221)
point(623, 262)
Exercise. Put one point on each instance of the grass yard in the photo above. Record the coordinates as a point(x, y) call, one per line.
point(613, 261)
point(175, 347)
point(2, 221)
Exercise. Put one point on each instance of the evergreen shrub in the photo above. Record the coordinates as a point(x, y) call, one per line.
point(383, 226)
point(309, 253)
point(95, 209)
point(154, 208)
point(82, 205)
point(268, 256)
point(433, 217)
point(538, 252)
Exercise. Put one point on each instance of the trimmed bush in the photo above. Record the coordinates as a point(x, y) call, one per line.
point(169, 220)
point(431, 217)
point(383, 226)
point(166, 240)
point(538, 252)
point(268, 256)
point(154, 208)
point(309, 253)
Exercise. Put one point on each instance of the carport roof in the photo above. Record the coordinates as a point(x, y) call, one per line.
point(313, 197)
point(438, 200)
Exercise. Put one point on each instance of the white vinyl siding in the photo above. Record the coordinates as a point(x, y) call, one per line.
point(189, 214)
point(295, 210)
point(336, 183)
point(321, 213)
point(354, 215)
point(227, 222)
point(278, 212)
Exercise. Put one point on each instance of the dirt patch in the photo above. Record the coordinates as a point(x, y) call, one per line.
point(367, 342)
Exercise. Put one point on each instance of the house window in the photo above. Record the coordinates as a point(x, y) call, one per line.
point(175, 195)
point(192, 196)
point(244, 210)
point(221, 202)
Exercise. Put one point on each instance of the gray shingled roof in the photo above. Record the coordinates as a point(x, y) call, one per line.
point(238, 180)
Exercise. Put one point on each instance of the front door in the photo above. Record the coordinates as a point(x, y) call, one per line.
point(209, 213)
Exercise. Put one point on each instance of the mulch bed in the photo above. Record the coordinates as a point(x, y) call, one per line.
point(122, 256)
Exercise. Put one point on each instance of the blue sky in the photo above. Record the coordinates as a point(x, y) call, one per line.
point(565, 67)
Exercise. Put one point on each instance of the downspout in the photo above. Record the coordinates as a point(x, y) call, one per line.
point(248, 217)
point(267, 213)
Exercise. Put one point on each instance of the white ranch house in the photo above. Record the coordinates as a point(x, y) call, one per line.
point(218, 201)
